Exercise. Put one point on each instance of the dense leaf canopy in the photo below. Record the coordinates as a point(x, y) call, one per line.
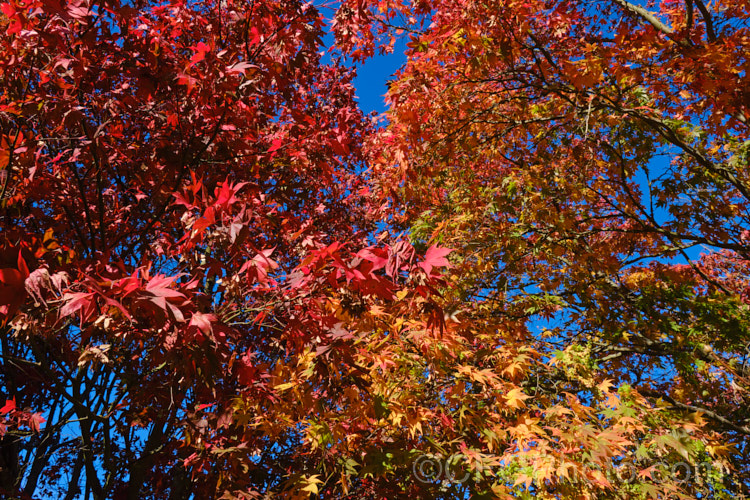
point(219, 279)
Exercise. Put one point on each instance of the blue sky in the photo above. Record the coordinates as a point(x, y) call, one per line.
point(373, 75)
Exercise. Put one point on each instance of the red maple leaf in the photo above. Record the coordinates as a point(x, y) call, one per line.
point(435, 257)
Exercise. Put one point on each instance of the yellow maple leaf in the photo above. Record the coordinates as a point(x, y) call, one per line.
point(515, 398)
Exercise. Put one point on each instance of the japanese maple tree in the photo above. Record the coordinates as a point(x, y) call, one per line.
point(180, 211)
point(589, 162)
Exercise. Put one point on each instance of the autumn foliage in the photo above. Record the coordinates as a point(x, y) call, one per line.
point(219, 279)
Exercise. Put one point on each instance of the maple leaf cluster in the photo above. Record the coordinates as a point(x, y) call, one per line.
point(198, 298)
